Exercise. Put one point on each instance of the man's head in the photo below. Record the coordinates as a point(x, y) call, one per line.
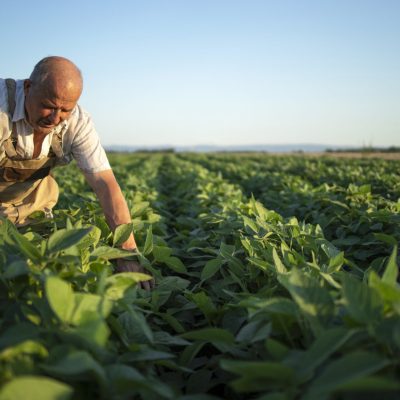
point(51, 93)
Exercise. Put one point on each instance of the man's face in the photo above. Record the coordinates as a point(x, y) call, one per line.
point(46, 106)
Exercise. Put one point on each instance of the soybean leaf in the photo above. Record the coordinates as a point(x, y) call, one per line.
point(122, 233)
point(392, 270)
point(148, 245)
point(220, 338)
point(127, 381)
point(211, 268)
point(25, 246)
point(77, 364)
point(63, 239)
point(324, 346)
point(60, 297)
point(176, 264)
point(362, 302)
point(109, 253)
point(89, 307)
point(258, 375)
point(30, 387)
point(351, 366)
point(161, 253)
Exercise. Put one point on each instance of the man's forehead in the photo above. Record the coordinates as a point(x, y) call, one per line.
point(59, 93)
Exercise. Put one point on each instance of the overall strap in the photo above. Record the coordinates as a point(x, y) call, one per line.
point(10, 143)
point(11, 87)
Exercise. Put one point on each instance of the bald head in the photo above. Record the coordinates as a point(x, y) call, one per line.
point(57, 72)
point(51, 93)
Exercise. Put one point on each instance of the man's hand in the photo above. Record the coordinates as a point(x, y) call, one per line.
point(116, 212)
point(133, 266)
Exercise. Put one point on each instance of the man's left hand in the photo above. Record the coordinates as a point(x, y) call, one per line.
point(133, 266)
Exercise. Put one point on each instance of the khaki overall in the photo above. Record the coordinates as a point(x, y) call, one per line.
point(26, 186)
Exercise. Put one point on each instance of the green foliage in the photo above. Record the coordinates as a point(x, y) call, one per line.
point(276, 279)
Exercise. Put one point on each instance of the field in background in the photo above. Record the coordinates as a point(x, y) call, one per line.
point(277, 279)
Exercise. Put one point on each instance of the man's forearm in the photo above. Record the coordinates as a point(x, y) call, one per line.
point(112, 202)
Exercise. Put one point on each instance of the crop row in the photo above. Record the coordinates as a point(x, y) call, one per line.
point(248, 303)
point(361, 217)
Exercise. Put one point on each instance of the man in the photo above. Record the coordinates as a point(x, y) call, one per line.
point(42, 125)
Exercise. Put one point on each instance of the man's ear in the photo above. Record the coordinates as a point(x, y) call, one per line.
point(27, 86)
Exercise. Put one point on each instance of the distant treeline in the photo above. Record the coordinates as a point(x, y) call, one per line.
point(166, 150)
point(391, 149)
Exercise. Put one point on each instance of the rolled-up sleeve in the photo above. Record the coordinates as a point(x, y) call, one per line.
point(85, 146)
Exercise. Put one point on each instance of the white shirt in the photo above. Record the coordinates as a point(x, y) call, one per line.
point(80, 139)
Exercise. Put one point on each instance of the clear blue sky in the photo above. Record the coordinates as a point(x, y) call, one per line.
point(221, 72)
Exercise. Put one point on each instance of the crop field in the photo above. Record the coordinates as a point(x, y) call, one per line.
point(276, 279)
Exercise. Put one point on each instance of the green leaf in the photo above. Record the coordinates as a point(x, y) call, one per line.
point(254, 331)
point(391, 240)
point(392, 270)
point(336, 262)
point(176, 264)
point(362, 302)
point(94, 331)
point(60, 297)
point(258, 375)
point(122, 233)
point(324, 346)
point(161, 253)
point(276, 349)
point(18, 333)
point(370, 383)
point(127, 382)
point(313, 299)
point(280, 267)
point(211, 268)
point(145, 354)
point(118, 284)
point(139, 208)
point(75, 364)
point(26, 247)
point(136, 327)
point(345, 370)
point(250, 223)
point(16, 268)
point(63, 239)
point(222, 339)
point(26, 347)
point(388, 292)
point(109, 253)
point(89, 307)
point(148, 245)
point(204, 303)
point(91, 239)
point(30, 387)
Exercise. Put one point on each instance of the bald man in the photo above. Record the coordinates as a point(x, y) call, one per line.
point(41, 126)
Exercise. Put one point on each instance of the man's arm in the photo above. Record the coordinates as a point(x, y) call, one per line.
point(116, 212)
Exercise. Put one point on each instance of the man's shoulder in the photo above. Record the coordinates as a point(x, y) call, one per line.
point(79, 116)
point(4, 119)
point(79, 123)
point(16, 89)
point(3, 96)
